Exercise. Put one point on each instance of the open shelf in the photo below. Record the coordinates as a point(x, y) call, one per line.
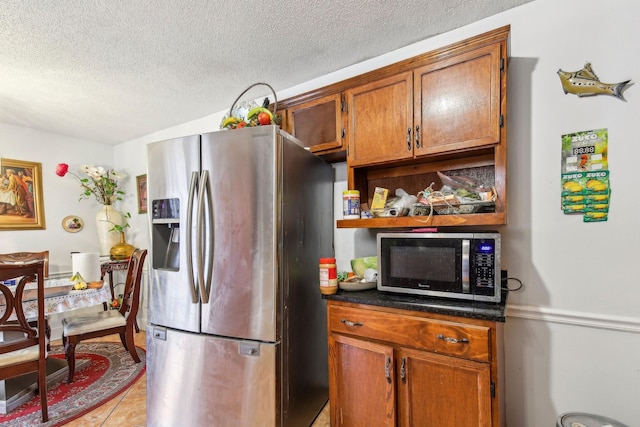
point(493, 218)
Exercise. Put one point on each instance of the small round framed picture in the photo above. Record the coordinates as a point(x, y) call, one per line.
point(72, 223)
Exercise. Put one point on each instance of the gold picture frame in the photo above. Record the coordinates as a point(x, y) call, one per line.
point(141, 187)
point(21, 201)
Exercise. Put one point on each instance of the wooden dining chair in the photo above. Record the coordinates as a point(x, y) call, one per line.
point(121, 321)
point(18, 258)
point(23, 348)
point(27, 257)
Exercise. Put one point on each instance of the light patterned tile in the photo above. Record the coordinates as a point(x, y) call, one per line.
point(95, 417)
point(140, 387)
point(129, 413)
point(323, 419)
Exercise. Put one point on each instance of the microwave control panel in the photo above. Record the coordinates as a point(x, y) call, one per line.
point(484, 267)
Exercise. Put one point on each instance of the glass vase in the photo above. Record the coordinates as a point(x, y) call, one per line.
point(121, 251)
point(106, 217)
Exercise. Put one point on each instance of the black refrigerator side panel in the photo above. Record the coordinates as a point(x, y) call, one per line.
point(307, 234)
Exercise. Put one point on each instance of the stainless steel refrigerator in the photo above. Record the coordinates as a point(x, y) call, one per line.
point(238, 330)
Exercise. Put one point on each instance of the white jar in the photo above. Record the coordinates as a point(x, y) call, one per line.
point(351, 204)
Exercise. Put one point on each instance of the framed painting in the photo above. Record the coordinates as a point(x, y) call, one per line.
point(72, 224)
point(141, 186)
point(21, 201)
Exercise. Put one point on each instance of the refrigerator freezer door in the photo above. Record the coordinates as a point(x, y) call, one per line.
point(228, 382)
point(242, 166)
point(171, 165)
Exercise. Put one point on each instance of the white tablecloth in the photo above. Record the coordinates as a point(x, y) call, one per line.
point(7, 197)
point(70, 301)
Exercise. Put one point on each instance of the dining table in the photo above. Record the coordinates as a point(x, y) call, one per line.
point(60, 297)
point(108, 267)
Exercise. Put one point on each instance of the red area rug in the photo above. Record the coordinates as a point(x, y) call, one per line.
point(110, 372)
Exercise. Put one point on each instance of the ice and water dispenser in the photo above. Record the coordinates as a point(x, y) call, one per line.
point(165, 234)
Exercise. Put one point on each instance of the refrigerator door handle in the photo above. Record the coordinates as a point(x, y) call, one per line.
point(193, 185)
point(205, 199)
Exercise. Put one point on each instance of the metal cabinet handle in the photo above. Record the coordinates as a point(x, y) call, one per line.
point(452, 340)
point(409, 139)
point(403, 371)
point(387, 370)
point(350, 323)
point(417, 136)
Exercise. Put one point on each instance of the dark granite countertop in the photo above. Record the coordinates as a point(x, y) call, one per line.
point(451, 307)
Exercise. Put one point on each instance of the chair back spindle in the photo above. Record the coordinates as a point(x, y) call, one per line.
point(131, 295)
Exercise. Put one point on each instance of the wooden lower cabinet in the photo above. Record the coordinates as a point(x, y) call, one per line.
point(436, 390)
point(390, 367)
point(361, 391)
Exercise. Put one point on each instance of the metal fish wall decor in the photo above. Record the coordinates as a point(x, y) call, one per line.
point(586, 83)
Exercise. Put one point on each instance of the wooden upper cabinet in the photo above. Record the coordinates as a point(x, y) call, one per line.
point(317, 123)
point(446, 106)
point(379, 121)
point(457, 102)
point(397, 126)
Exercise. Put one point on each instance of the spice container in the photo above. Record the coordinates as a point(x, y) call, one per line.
point(351, 204)
point(328, 276)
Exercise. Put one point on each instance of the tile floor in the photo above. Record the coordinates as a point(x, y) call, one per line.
point(129, 408)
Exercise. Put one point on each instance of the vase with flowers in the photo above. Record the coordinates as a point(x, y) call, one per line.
point(103, 185)
point(121, 250)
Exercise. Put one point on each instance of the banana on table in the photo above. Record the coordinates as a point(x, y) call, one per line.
point(78, 282)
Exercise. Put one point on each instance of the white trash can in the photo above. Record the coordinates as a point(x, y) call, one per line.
point(580, 419)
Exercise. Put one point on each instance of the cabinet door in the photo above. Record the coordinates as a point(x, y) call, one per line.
point(317, 124)
point(443, 391)
point(457, 102)
point(379, 121)
point(284, 121)
point(361, 384)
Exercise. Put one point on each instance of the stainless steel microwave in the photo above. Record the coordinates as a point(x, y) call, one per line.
point(448, 265)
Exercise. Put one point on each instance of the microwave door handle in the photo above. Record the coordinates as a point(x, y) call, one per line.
point(465, 267)
point(193, 185)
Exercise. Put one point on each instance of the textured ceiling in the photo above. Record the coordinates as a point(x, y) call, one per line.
point(115, 70)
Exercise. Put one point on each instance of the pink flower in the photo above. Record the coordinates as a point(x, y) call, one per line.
point(61, 169)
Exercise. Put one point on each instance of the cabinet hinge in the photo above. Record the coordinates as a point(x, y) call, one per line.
point(493, 389)
point(501, 64)
point(342, 133)
point(501, 120)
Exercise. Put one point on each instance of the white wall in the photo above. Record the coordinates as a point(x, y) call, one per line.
point(572, 334)
point(61, 195)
